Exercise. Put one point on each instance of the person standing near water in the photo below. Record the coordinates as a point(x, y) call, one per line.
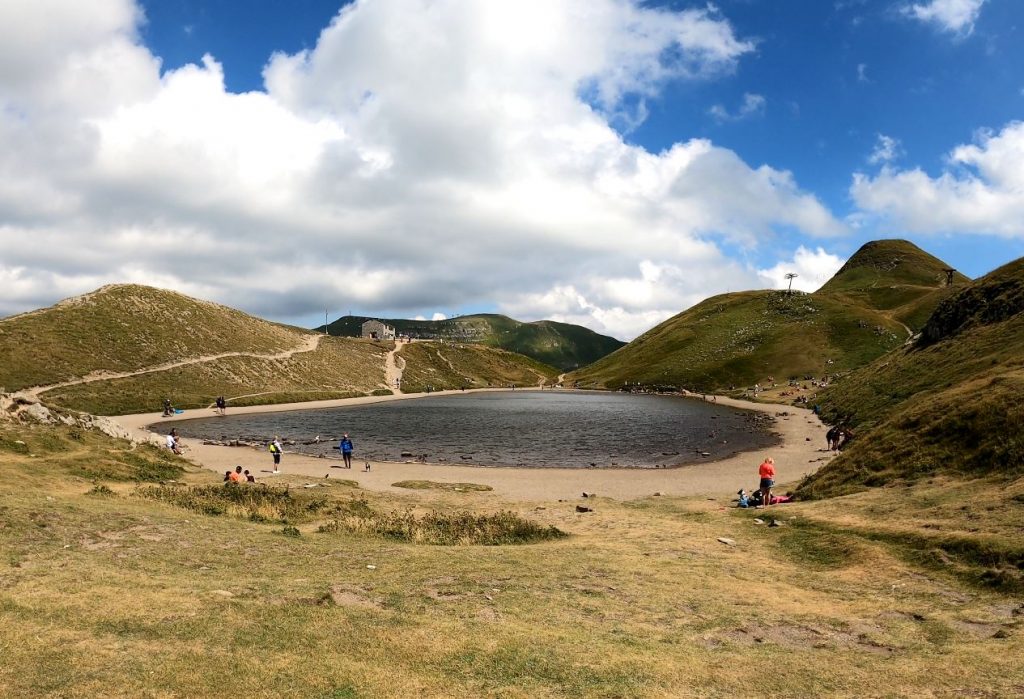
point(767, 473)
point(346, 450)
point(275, 449)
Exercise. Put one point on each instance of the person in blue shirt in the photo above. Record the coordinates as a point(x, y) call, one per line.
point(346, 450)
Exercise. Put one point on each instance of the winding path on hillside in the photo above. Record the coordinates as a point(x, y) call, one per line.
point(310, 344)
point(393, 368)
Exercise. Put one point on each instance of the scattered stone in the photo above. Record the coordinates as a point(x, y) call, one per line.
point(758, 520)
point(223, 593)
point(1001, 633)
point(775, 523)
point(587, 495)
point(370, 566)
point(727, 541)
point(658, 494)
point(405, 454)
point(582, 508)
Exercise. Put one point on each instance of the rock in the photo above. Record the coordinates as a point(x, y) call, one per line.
point(658, 494)
point(727, 541)
point(758, 520)
point(587, 495)
point(406, 454)
point(223, 593)
point(370, 566)
point(583, 508)
point(775, 523)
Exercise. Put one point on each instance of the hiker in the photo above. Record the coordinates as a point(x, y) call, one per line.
point(221, 405)
point(346, 450)
point(236, 475)
point(275, 450)
point(249, 478)
point(766, 471)
point(167, 407)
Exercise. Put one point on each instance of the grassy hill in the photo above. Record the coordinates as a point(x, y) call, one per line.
point(949, 403)
point(560, 345)
point(194, 589)
point(882, 294)
point(125, 327)
point(174, 344)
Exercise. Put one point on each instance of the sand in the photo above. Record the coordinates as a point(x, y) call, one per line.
point(800, 452)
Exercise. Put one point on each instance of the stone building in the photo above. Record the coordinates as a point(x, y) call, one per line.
point(376, 330)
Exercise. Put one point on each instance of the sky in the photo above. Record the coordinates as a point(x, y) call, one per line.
point(602, 162)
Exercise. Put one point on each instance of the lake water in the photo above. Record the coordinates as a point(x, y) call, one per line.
point(573, 429)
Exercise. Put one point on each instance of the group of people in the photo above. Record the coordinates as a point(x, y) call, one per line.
point(173, 443)
point(762, 497)
point(838, 437)
point(239, 476)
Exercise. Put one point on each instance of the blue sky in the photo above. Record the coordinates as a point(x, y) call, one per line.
point(609, 163)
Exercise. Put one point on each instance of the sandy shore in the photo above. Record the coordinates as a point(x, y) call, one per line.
point(799, 453)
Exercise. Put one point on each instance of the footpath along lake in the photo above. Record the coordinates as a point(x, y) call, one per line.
point(568, 429)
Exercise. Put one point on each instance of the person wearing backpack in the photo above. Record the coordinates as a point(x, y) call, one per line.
point(275, 450)
point(346, 450)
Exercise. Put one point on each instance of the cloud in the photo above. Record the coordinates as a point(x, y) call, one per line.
point(422, 155)
point(954, 16)
point(753, 105)
point(813, 269)
point(886, 150)
point(980, 191)
point(862, 73)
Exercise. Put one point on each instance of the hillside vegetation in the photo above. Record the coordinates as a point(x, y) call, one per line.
point(125, 327)
point(194, 589)
point(171, 346)
point(949, 403)
point(884, 293)
point(560, 345)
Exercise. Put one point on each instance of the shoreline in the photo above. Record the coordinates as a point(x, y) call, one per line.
point(798, 453)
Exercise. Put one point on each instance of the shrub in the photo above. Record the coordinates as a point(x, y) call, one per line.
point(447, 528)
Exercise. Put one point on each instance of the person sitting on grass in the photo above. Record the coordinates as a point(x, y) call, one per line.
point(227, 476)
point(249, 478)
point(236, 475)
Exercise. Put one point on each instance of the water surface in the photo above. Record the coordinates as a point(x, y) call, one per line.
point(573, 429)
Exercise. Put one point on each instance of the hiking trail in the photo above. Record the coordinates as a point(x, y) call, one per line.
point(310, 344)
point(393, 368)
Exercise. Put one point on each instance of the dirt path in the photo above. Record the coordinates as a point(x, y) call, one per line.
point(393, 368)
point(308, 345)
point(800, 452)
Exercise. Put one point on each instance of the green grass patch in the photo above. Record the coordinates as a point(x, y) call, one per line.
point(817, 547)
point(446, 528)
point(256, 503)
point(449, 487)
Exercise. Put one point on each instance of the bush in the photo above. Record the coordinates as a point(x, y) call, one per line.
point(255, 503)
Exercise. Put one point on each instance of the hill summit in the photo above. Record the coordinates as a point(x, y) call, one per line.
point(880, 298)
point(560, 345)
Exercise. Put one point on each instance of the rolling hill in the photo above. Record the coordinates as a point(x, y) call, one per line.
point(124, 348)
point(948, 403)
point(879, 299)
point(561, 345)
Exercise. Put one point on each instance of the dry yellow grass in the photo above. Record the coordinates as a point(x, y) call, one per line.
point(123, 596)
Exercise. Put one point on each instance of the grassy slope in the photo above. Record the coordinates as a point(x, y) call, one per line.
point(454, 365)
point(123, 328)
point(951, 402)
point(743, 338)
point(339, 368)
point(561, 345)
point(641, 601)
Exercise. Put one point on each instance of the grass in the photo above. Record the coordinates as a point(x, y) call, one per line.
point(448, 366)
point(740, 339)
point(123, 328)
point(460, 528)
point(555, 344)
point(256, 503)
point(436, 485)
point(641, 600)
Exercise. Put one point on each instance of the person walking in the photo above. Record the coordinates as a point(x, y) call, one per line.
point(275, 450)
point(346, 450)
point(767, 473)
point(222, 405)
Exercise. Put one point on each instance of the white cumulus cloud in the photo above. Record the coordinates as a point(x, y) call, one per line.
point(812, 267)
point(886, 150)
point(980, 191)
point(421, 155)
point(752, 105)
point(954, 16)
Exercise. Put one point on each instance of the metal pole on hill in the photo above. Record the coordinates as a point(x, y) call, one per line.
point(325, 322)
point(790, 276)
